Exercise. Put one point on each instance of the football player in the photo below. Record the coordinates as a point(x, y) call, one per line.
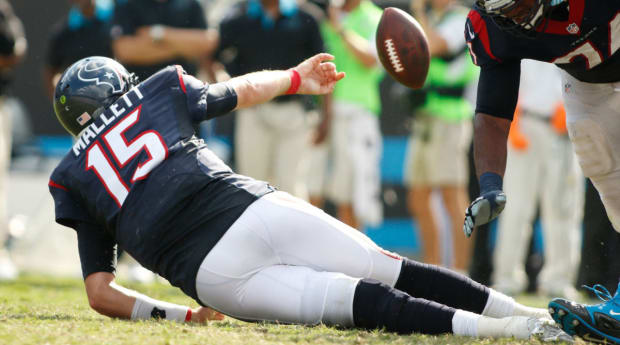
point(581, 37)
point(137, 177)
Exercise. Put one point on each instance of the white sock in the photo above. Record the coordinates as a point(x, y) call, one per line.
point(513, 326)
point(499, 305)
point(465, 323)
point(539, 313)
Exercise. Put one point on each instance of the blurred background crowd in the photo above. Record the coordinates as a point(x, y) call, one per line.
point(392, 162)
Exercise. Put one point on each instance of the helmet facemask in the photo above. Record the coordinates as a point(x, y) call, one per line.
point(516, 16)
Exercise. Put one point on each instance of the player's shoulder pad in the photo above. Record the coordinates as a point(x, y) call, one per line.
point(169, 76)
point(56, 180)
point(477, 36)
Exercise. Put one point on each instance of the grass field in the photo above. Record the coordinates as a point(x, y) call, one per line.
point(45, 310)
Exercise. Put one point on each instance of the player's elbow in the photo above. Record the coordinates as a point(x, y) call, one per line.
point(98, 290)
point(96, 300)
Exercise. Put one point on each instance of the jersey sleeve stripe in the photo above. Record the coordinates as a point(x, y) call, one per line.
point(56, 185)
point(180, 74)
point(480, 28)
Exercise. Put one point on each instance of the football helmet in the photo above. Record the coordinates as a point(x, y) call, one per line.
point(518, 17)
point(86, 88)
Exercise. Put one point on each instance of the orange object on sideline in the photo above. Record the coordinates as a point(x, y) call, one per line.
point(516, 138)
point(558, 119)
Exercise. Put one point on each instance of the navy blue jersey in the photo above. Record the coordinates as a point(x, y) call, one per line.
point(137, 177)
point(582, 37)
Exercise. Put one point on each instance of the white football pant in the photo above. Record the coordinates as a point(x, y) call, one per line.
point(593, 121)
point(287, 261)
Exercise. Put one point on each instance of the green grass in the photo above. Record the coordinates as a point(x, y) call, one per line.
point(45, 310)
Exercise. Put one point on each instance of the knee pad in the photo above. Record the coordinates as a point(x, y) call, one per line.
point(379, 306)
point(442, 285)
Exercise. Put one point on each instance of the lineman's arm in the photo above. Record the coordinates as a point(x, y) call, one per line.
point(317, 76)
point(490, 144)
point(498, 90)
point(110, 299)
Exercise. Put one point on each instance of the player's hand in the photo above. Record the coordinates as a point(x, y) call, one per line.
point(318, 75)
point(202, 315)
point(483, 210)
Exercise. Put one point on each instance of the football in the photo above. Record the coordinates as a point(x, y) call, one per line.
point(402, 47)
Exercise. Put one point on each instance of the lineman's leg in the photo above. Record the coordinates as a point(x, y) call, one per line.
point(593, 122)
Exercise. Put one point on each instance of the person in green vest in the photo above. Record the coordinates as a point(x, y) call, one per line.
point(442, 129)
point(355, 142)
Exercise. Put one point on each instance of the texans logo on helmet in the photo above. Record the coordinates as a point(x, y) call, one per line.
point(101, 73)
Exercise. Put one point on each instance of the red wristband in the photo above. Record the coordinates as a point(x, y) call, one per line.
point(188, 316)
point(295, 82)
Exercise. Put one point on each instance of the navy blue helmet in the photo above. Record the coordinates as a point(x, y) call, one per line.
point(519, 17)
point(86, 88)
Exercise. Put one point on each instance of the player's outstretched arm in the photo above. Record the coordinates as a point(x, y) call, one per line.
point(314, 76)
point(110, 299)
point(491, 134)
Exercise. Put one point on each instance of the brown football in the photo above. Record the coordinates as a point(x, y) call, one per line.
point(402, 47)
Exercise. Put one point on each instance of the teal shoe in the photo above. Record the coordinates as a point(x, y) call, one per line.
point(598, 323)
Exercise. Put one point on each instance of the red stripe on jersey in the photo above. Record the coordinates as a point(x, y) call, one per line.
point(480, 28)
point(56, 185)
point(180, 74)
point(575, 16)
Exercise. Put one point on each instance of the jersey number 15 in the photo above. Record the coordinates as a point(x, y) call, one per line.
point(124, 151)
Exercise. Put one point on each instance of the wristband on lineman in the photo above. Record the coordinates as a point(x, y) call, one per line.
point(148, 308)
point(295, 82)
point(489, 182)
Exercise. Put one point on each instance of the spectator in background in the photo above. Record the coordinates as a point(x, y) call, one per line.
point(12, 50)
point(149, 35)
point(442, 129)
point(354, 183)
point(272, 140)
point(541, 168)
point(84, 32)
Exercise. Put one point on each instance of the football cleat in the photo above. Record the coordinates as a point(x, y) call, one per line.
point(546, 331)
point(598, 323)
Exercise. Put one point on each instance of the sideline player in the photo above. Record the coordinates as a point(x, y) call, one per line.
point(581, 37)
point(137, 177)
